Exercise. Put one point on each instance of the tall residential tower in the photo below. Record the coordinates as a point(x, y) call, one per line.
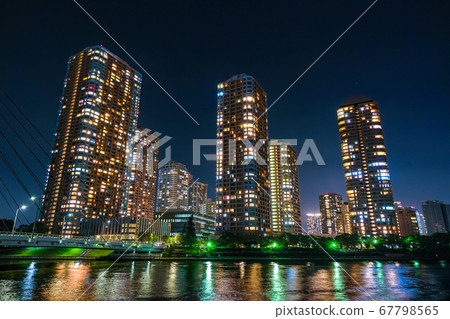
point(197, 195)
point(368, 183)
point(242, 180)
point(90, 168)
point(173, 187)
point(284, 191)
point(437, 216)
point(144, 174)
point(333, 221)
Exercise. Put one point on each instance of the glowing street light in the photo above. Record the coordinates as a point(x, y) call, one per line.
point(15, 218)
point(33, 198)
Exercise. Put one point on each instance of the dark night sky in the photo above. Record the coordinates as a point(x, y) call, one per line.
point(397, 54)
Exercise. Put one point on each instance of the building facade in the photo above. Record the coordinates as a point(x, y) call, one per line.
point(407, 222)
point(144, 173)
point(120, 228)
point(90, 168)
point(284, 188)
point(332, 217)
point(422, 224)
point(314, 223)
point(242, 181)
point(197, 195)
point(173, 187)
point(347, 218)
point(367, 177)
point(178, 222)
point(437, 216)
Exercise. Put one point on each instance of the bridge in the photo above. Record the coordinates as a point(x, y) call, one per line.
point(19, 240)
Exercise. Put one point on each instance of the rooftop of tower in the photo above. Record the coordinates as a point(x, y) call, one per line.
point(356, 99)
point(241, 75)
point(101, 47)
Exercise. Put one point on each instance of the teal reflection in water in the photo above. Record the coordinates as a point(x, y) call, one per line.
point(380, 275)
point(28, 282)
point(132, 270)
point(146, 282)
point(276, 283)
point(172, 278)
point(222, 280)
point(338, 283)
point(208, 283)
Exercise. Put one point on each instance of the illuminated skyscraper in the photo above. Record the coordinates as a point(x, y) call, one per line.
point(90, 168)
point(422, 224)
point(347, 219)
point(197, 194)
point(242, 187)
point(173, 187)
point(141, 202)
point(284, 192)
point(437, 216)
point(314, 223)
point(406, 220)
point(332, 216)
point(367, 178)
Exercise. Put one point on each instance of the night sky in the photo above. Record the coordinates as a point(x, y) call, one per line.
point(397, 54)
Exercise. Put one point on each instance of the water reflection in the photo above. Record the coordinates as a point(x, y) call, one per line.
point(338, 282)
point(211, 280)
point(28, 282)
point(277, 283)
point(207, 284)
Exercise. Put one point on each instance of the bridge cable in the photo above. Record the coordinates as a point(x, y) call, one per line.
point(26, 117)
point(32, 137)
point(12, 209)
point(13, 198)
point(30, 171)
point(36, 142)
point(24, 127)
point(23, 141)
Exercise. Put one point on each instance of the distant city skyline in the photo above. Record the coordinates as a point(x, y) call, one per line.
point(411, 88)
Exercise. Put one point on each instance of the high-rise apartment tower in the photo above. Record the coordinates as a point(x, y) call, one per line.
point(367, 177)
point(284, 189)
point(90, 168)
point(242, 180)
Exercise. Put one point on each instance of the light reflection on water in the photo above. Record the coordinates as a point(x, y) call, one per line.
point(220, 280)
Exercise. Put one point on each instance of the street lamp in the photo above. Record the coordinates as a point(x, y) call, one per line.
point(15, 218)
point(33, 198)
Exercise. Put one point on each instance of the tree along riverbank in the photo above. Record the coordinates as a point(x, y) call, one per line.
point(225, 254)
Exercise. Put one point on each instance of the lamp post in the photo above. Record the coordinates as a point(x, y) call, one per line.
point(15, 218)
point(35, 219)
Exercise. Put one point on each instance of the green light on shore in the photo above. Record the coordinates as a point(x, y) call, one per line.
point(209, 244)
point(416, 264)
point(274, 245)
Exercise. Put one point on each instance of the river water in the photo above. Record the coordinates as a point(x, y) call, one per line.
point(222, 280)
